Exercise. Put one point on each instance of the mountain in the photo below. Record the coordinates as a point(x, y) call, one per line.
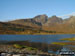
point(9, 28)
point(41, 19)
point(27, 22)
point(36, 21)
point(40, 24)
point(70, 22)
point(54, 20)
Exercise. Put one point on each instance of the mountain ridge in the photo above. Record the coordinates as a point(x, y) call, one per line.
point(45, 24)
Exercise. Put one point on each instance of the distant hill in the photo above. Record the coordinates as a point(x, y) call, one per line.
point(26, 22)
point(41, 24)
point(9, 28)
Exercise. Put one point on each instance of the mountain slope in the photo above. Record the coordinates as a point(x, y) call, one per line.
point(27, 22)
point(53, 21)
point(40, 24)
point(9, 28)
point(70, 22)
point(41, 19)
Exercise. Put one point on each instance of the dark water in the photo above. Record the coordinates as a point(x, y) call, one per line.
point(35, 38)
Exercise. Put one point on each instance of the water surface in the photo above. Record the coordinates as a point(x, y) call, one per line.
point(36, 38)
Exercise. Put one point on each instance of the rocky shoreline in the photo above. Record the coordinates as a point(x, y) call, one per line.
point(9, 49)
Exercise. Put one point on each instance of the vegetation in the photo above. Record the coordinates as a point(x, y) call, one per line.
point(35, 46)
point(17, 46)
point(40, 24)
point(59, 43)
point(8, 28)
point(69, 39)
point(64, 43)
point(70, 43)
point(23, 46)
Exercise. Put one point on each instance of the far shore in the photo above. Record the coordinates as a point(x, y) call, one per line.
point(38, 34)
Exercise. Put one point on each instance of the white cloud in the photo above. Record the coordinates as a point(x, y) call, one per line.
point(67, 15)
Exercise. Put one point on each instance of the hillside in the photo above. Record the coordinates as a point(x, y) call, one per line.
point(41, 24)
point(8, 28)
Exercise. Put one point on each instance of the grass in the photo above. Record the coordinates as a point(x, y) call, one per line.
point(69, 39)
point(22, 46)
point(64, 43)
point(59, 43)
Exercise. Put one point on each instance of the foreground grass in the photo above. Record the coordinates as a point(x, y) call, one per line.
point(69, 39)
point(22, 46)
point(64, 43)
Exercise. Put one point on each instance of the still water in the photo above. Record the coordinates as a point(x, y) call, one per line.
point(36, 38)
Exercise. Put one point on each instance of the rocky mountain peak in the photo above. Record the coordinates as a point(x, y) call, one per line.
point(71, 20)
point(55, 19)
point(41, 18)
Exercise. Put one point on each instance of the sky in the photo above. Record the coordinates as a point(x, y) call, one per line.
point(20, 9)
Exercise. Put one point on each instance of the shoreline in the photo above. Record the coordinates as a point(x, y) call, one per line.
point(40, 34)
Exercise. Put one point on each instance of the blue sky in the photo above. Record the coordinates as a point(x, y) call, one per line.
point(16, 9)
